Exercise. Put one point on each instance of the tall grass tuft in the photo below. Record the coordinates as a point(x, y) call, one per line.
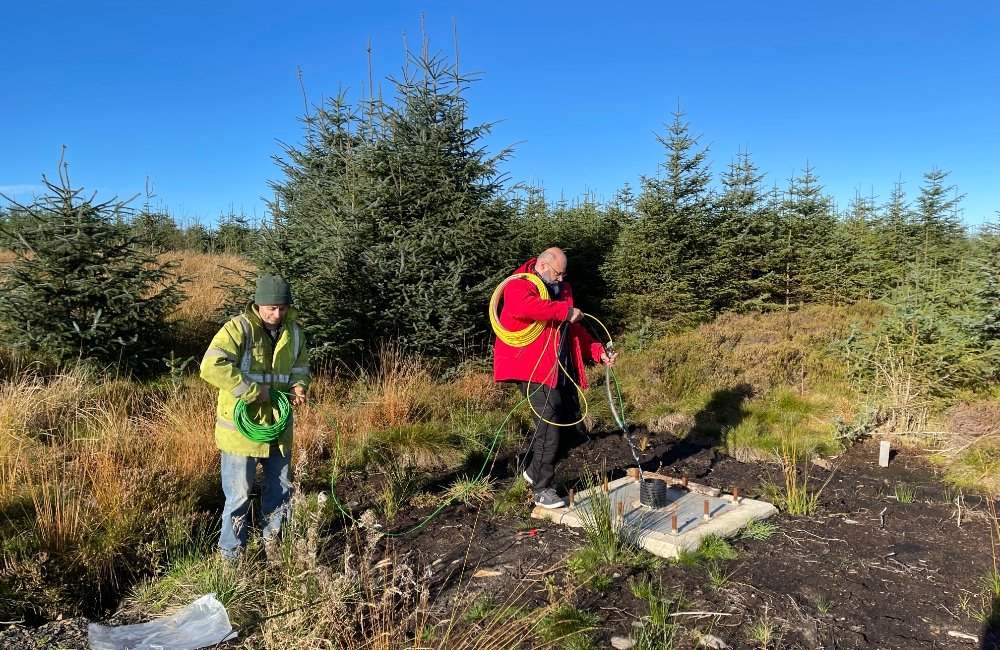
point(797, 497)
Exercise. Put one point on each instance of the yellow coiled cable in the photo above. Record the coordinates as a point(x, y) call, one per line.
point(526, 336)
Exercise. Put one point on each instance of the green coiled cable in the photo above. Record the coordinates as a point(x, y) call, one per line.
point(263, 432)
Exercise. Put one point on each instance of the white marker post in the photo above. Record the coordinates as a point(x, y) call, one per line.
point(883, 453)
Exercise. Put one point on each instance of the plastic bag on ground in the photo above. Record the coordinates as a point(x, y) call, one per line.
point(201, 624)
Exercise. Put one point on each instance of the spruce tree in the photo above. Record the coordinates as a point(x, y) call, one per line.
point(390, 222)
point(899, 234)
point(586, 233)
point(81, 286)
point(742, 234)
point(657, 268)
point(938, 226)
point(808, 225)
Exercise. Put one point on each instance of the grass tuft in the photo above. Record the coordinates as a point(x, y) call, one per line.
point(758, 531)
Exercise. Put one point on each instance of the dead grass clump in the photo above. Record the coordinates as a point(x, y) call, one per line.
point(474, 391)
point(54, 408)
point(395, 395)
point(182, 428)
point(675, 424)
point(209, 274)
point(969, 422)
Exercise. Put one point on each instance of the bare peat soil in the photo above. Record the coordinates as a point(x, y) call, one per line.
point(865, 571)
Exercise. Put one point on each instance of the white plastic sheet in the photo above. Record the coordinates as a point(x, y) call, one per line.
point(201, 624)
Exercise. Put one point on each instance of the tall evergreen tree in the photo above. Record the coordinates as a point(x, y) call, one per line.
point(867, 269)
point(742, 227)
point(808, 224)
point(657, 266)
point(899, 232)
point(82, 286)
point(938, 226)
point(401, 205)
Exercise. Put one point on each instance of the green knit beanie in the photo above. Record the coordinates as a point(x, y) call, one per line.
point(272, 290)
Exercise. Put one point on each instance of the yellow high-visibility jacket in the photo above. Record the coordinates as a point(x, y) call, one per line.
point(242, 359)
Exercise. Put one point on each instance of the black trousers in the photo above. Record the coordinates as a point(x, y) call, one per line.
point(557, 405)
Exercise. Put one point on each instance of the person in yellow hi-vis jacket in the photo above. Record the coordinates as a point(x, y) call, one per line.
point(260, 351)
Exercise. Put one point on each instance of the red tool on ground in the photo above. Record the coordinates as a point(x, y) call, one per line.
point(529, 533)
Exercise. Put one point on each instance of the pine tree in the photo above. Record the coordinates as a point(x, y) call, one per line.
point(866, 268)
point(81, 286)
point(808, 224)
point(390, 221)
point(938, 226)
point(657, 266)
point(742, 234)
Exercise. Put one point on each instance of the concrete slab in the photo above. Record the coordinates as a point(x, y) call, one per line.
point(653, 528)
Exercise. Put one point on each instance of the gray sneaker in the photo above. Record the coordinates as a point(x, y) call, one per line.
point(548, 498)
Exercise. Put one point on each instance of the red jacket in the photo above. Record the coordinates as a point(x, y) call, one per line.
point(536, 362)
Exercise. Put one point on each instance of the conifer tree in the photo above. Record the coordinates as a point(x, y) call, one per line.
point(390, 220)
point(808, 224)
point(866, 270)
point(938, 227)
point(587, 234)
point(657, 266)
point(82, 286)
point(742, 227)
point(899, 239)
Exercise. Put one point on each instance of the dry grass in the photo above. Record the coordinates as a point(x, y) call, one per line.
point(209, 275)
point(759, 351)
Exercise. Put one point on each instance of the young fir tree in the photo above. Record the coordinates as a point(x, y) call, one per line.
point(938, 227)
point(657, 268)
point(81, 286)
point(928, 346)
point(899, 233)
point(985, 248)
point(742, 232)
point(867, 269)
point(390, 222)
point(808, 225)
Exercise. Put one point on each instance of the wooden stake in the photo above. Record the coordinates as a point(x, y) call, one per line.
point(621, 510)
point(684, 482)
point(571, 497)
point(673, 523)
point(736, 495)
point(605, 483)
point(708, 512)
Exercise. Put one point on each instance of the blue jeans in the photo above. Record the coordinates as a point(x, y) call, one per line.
point(238, 474)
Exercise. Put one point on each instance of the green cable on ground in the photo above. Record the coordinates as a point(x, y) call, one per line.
point(263, 432)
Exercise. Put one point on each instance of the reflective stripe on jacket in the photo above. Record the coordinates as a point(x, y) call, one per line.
point(239, 361)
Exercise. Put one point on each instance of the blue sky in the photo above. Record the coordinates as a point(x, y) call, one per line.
point(197, 95)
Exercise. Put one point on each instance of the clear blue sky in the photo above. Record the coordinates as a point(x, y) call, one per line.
point(196, 95)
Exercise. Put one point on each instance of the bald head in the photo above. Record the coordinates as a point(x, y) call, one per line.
point(551, 264)
point(554, 256)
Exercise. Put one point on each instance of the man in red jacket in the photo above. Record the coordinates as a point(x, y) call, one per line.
point(547, 367)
